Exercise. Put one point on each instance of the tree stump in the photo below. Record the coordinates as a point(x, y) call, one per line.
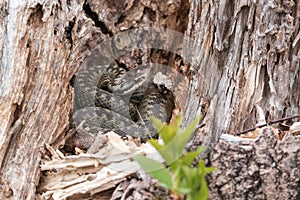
point(245, 54)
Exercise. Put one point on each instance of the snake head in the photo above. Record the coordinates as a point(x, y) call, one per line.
point(131, 80)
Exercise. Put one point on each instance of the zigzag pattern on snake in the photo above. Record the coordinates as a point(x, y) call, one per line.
point(109, 98)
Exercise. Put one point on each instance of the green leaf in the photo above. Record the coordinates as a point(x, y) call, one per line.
point(202, 171)
point(177, 177)
point(181, 178)
point(166, 153)
point(181, 139)
point(155, 169)
point(189, 157)
point(174, 142)
point(155, 144)
point(167, 132)
point(188, 174)
point(184, 190)
point(158, 125)
point(171, 130)
point(203, 192)
point(177, 121)
point(202, 167)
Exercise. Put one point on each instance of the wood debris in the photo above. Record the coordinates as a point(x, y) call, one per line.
point(90, 174)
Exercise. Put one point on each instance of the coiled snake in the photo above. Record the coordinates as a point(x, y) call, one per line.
point(109, 98)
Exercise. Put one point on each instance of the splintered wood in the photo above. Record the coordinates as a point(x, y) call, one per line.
point(90, 174)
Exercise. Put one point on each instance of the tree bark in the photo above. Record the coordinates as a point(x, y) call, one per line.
point(265, 168)
point(246, 53)
point(36, 99)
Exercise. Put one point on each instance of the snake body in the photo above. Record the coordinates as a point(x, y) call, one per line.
point(109, 98)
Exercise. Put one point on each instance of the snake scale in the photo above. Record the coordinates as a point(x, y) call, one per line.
point(110, 98)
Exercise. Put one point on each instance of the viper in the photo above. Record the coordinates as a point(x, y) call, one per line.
point(111, 98)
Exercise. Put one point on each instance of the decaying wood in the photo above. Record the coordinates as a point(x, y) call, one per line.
point(36, 98)
point(246, 54)
point(89, 174)
point(264, 168)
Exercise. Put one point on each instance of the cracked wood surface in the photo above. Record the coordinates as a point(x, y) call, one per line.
point(246, 53)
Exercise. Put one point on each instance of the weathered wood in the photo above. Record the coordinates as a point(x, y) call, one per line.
point(90, 174)
point(264, 168)
point(37, 65)
point(246, 53)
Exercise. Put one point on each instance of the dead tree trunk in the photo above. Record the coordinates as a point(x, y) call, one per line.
point(246, 53)
point(249, 54)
